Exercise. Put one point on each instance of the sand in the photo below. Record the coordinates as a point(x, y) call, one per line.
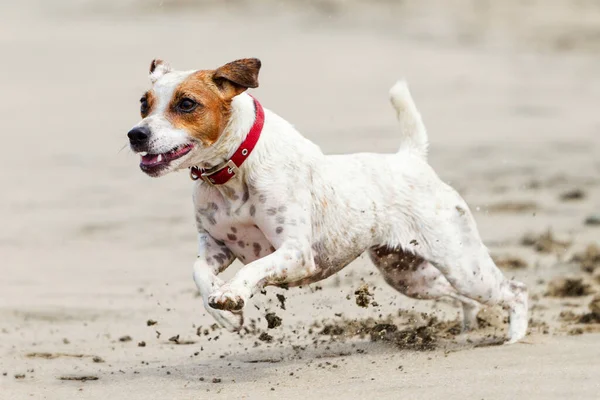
point(96, 295)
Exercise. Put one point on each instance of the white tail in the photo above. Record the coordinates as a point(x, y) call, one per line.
point(412, 129)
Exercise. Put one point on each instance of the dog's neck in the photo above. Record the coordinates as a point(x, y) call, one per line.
point(240, 121)
point(245, 116)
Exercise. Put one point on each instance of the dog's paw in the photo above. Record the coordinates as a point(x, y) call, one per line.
point(226, 299)
point(232, 321)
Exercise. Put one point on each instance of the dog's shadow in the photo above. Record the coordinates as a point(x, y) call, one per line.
point(262, 364)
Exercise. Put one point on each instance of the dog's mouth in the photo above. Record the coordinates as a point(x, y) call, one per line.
point(153, 163)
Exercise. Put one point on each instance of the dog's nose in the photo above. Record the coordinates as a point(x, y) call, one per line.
point(138, 135)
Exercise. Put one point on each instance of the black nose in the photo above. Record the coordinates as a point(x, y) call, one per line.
point(138, 135)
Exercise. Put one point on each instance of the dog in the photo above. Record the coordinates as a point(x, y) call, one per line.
point(266, 195)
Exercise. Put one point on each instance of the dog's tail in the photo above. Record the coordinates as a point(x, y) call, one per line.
point(414, 134)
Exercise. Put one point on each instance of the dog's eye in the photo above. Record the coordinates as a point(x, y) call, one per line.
point(143, 105)
point(187, 105)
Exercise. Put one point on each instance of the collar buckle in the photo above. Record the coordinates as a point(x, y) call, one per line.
point(232, 171)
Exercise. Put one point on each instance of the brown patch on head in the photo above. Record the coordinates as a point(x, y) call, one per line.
point(147, 103)
point(210, 94)
point(211, 113)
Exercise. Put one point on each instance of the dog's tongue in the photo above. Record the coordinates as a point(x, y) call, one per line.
point(150, 159)
point(154, 159)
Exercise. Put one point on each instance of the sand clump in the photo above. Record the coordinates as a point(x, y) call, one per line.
point(568, 287)
point(273, 321)
point(81, 378)
point(592, 220)
point(545, 243)
point(281, 298)
point(52, 356)
point(574, 194)
point(513, 207)
point(422, 337)
point(363, 296)
point(593, 317)
point(509, 262)
point(590, 318)
point(594, 305)
point(265, 337)
point(589, 259)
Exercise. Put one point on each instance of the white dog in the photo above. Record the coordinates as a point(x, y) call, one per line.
point(268, 196)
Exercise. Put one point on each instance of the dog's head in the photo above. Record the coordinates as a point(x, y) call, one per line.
point(186, 112)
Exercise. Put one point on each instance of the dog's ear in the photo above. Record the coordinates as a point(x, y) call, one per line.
point(237, 76)
point(158, 68)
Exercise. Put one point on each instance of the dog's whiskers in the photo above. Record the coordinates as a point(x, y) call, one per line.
point(125, 145)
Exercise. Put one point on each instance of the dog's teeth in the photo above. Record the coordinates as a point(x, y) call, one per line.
point(143, 153)
point(159, 158)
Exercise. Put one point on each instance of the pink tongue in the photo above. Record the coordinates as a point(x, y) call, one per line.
point(150, 159)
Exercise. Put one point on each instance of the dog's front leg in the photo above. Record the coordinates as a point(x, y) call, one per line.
point(291, 262)
point(213, 258)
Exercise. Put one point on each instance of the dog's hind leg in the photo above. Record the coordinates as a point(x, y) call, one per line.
point(415, 277)
point(448, 239)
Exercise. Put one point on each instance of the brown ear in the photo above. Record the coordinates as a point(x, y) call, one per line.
point(239, 75)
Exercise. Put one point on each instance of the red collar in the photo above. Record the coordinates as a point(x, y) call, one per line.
point(224, 172)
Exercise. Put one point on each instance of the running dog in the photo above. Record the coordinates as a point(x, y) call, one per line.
point(269, 197)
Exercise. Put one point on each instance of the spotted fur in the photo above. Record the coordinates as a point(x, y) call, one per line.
point(301, 216)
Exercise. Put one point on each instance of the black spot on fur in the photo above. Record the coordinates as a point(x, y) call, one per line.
point(279, 230)
point(272, 211)
point(257, 248)
point(231, 237)
point(241, 244)
point(233, 229)
point(282, 209)
point(252, 210)
point(280, 219)
point(246, 194)
point(226, 250)
point(262, 198)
